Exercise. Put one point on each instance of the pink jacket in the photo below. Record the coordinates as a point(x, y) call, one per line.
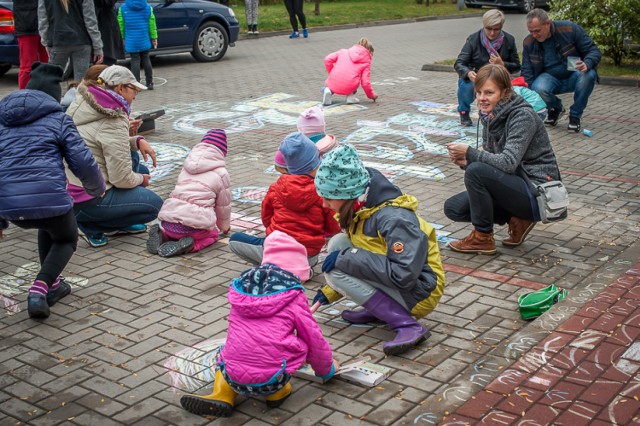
point(348, 68)
point(201, 198)
point(269, 324)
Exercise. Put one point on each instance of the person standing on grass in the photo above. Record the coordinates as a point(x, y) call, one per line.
point(294, 7)
point(251, 12)
point(140, 34)
point(25, 18)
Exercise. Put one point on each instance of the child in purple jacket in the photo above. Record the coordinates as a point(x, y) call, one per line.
point(271, 333)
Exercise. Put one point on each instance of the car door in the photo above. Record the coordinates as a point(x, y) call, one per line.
point(172, 21)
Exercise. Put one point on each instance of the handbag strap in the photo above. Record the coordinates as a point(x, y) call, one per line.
point(533, 188)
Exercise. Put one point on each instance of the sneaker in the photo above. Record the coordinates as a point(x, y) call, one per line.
point(465, 119)
point(326, 96)
point(553, 116)
point(155, 240)
point(97, 240)
point(294, 34)
point(574, 124)
point(255, 30)
point(63, 290)
point(37, 305)
point(132, 229)
point(250, 30)
point(175, 248)
point(305, 33)
point(351, 99)
point(149, 86)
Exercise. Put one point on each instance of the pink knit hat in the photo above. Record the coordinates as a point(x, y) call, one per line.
point(311, 121)
point(326, 144)
point(279, 159)
point(282, 250)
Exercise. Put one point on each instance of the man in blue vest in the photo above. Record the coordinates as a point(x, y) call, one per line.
point(559, 57)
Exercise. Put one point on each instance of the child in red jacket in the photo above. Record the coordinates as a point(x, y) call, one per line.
point(292, 205)
point(348, 69)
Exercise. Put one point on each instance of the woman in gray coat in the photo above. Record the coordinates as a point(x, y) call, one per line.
point(514, 143)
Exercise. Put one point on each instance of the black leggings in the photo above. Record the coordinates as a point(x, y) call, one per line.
point(294, 7)
point(492, 196)
point(57, 240)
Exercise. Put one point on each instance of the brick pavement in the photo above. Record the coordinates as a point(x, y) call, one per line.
point(136, 331)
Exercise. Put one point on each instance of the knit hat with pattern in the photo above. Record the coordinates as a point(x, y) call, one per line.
point(217, 138)
point(341, 175)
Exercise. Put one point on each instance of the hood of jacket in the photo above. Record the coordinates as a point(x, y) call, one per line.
point(26, 106)
point(296, 192)
point(136, 4)
point(263, 291)
point(94, 103)
point(359, 54)
point(380, 189)
point(205, 158)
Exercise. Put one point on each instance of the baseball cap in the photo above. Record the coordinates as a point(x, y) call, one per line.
point(116, 74)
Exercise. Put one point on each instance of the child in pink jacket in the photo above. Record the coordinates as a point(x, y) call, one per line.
point(200, 201)
point(348, 69)
point(271, 333)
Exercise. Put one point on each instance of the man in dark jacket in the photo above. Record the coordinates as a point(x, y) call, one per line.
point(25, 18)
point(559, 57)
point(489, 45)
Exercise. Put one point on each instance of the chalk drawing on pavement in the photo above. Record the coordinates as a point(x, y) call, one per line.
point(169, 156)
point(194, 367)
point(19, 282)
point(244, 116)
point(394, 81)
point(249, 194)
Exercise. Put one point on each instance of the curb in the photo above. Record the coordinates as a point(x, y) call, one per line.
point(363, 25)
point(605, 81)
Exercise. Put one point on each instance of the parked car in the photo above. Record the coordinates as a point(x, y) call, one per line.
point(201, 27)
point(524, 6)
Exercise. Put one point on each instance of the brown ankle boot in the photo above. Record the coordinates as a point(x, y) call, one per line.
point(477, 242)
point(518, 230)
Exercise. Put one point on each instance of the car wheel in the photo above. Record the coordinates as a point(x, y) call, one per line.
point(4, 67)
point(211, 42)
point(527, 6)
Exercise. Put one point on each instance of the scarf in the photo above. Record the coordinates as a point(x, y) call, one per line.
point(492, 46)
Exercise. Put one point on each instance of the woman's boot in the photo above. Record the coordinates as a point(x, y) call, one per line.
point(477, 242)
point(409, 332)
point(219, 403)
point(361, 316)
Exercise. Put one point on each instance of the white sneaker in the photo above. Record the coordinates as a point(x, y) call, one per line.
point(326, 96)
point(351, 99)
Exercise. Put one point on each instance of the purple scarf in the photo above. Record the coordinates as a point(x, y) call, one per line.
point(491, 46)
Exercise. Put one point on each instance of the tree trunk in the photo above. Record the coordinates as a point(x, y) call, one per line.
point(317, 9)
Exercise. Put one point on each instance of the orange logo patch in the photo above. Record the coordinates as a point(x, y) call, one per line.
point(397, 247)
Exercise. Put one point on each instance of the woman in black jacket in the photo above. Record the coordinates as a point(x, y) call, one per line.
point(490, 45)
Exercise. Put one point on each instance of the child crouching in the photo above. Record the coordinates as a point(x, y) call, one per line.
point(200, 201)
point(271, 333)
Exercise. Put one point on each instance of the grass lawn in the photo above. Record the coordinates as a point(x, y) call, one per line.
point(629, 68)
point(275, 17)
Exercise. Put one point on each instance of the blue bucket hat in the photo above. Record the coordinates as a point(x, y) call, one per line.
point(300, 154)
point(342, 175)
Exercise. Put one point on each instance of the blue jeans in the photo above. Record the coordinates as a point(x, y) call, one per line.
point(466, 95)
point(118, 209)
point(581, 84)
point(492, 196)
point(136, 165)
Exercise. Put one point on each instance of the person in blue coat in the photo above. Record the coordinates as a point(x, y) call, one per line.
point(140, 34)
point(35, 138)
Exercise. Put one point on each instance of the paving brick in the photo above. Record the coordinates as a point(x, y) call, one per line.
point(581, 413)
point(479, 404)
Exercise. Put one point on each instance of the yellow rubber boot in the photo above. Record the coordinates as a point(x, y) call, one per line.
point(219, 403)
point(276, 399)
